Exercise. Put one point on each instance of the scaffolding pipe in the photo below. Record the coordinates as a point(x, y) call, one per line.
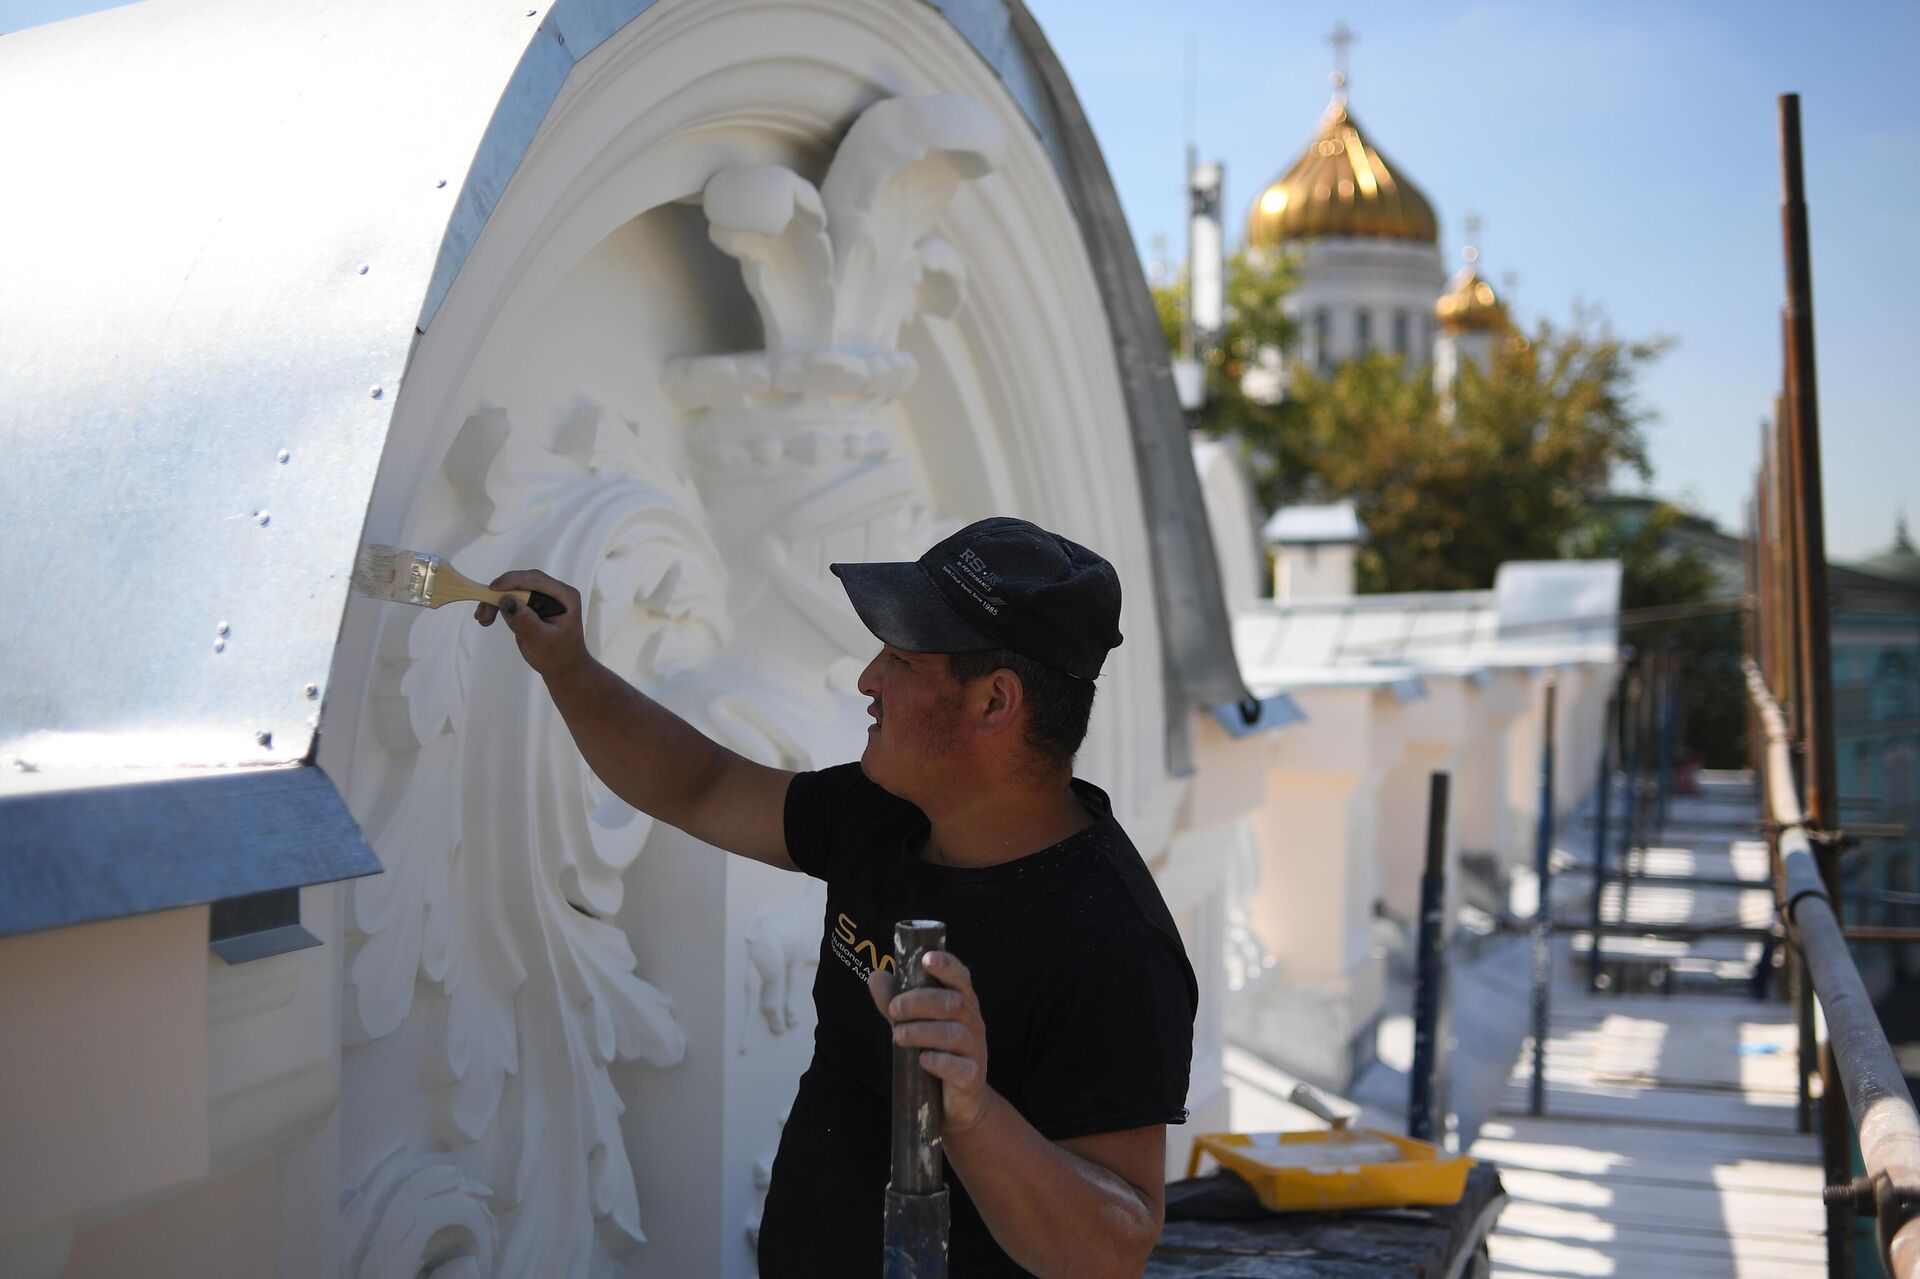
point(1600, 838)
point(1807, 520)
point(1630, 819)
point(1425, 1113)
point(1543, 915)
point(1876, 1096)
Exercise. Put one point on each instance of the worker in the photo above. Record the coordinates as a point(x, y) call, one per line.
point(1061, 1028)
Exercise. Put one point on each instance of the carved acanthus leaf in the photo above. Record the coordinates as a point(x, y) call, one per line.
point(836, 271)
point(891, 179)
point(417, 1215)
point(504, 855)
point(771, 219)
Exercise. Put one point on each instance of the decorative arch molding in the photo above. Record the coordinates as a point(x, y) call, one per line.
point(529, 1030)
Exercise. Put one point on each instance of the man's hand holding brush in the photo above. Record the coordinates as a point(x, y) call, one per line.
point(643, 752)
point(555, 648)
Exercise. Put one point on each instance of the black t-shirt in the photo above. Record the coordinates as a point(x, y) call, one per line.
point(1084, 987)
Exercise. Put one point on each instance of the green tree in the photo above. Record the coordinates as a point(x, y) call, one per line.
point(1449, 487)
point(1501, 468)
point(1256, 333)
point(1657, 572)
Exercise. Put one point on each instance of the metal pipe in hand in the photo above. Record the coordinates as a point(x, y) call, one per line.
point(916, 1204)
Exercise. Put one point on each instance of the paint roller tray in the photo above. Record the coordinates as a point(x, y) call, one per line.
point(1328, 1171)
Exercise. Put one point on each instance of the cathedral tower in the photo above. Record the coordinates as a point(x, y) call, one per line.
point(1470, 314)
point(1365, 239)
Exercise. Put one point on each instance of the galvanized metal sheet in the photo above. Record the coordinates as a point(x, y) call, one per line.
point(221, 230)
point(157, 845)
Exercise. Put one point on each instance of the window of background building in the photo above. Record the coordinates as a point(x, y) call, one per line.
point(1322, 335)
point(1401, 323)
point(1362, 332)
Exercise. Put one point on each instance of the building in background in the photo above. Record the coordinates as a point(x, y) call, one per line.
point(1365, 241)
point(1876, 728)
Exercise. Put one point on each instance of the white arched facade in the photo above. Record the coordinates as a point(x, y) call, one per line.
point(774, 285)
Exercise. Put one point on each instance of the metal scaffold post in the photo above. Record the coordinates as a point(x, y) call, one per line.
point(1815, 641)
point(1425, 1109)
point(1543, 914)
point(1604, 797)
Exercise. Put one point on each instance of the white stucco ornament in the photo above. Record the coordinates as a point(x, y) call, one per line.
point(504, 854)
point(835, 272)
point(418, 1216)
point(784, 949)
point(700, 549)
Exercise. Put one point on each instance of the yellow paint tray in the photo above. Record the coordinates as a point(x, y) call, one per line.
point(1341, 1168)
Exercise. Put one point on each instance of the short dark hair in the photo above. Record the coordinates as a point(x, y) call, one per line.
point(1058, 704)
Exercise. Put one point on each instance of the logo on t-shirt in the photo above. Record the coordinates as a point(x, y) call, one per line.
point(850, 946)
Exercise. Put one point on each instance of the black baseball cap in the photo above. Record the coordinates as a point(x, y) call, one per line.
point(997, 583)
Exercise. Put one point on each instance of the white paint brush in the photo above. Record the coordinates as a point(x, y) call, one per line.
point(414, 577)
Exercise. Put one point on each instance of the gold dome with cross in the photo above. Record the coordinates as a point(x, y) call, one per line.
point(1341, 185)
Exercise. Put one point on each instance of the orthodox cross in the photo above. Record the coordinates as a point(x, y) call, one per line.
point(1341, 37)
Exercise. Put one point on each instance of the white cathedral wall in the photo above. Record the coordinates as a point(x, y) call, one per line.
point(570, 1030)
point(1346, 277)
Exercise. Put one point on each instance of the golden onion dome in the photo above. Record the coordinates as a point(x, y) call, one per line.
point(1469, 303)
point(1340, 185)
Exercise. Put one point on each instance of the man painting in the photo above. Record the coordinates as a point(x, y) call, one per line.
point(1063, 959)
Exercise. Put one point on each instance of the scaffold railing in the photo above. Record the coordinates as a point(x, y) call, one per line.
point(1884, 1119)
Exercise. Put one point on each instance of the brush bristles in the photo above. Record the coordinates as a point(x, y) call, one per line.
point(386, 572)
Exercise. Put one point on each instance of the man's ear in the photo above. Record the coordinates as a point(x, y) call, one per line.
point(1005, 696)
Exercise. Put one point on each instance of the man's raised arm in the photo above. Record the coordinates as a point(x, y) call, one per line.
point(642, 751)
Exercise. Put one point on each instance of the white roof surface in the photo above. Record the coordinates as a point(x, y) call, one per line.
point(1537, 614)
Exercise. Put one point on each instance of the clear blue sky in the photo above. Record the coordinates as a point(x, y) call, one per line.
point(1623, 154)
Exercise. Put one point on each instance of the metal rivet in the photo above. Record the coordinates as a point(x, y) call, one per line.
point(313, 691)
point(374, 391)
point(221, 629)
point(263, 737)
point(263, 517)
point(531, 12)
point(442, 182)
point(219, 646)
point(363, 268)
point(284, 455)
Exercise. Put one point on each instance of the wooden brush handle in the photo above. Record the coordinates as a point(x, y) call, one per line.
point(450, 587)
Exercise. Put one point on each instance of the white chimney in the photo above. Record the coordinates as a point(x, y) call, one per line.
point(1313, 550)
